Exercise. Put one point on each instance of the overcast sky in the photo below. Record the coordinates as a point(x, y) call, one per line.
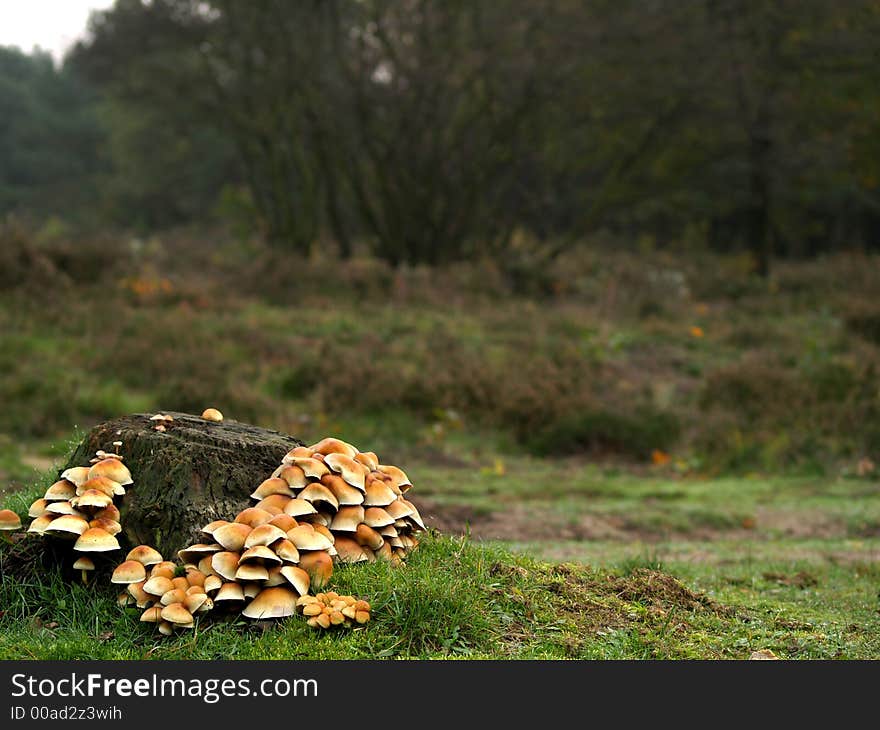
point(54, 25)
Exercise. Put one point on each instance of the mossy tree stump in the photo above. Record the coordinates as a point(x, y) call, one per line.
point(194, 472)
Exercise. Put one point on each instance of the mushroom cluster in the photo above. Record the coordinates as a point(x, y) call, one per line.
point(326, 610)
point(80, 507)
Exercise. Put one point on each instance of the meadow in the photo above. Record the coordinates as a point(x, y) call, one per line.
point(623, 455)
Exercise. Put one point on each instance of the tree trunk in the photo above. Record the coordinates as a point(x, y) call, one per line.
point(194, 472)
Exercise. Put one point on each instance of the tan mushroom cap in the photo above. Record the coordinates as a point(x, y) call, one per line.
point(398, 477)
point(297, 452)
point(95, 540)
point(101, 484)
point(321, 517)
point(347, 519)
point(62, 508)
point(377, 517)
point(212, 414)
point(287, 551)
point(91, 500)
point(398, 509)
point(257, 553)
point(348, 550)
point(272, 485)
point(145, 555)
point(319, 495)
point(166, 569)
point(212, 526)
point(229, 592)
point(274, 504)
point(388, 531)
point(197, 602)
point(299, 508)
point(67, 525)
point(319, 565)
point(110, 512)
point(251, 571)
point(123, 600)
point(297, 577)
point(212, 583)
point(325, 531)
point(166, 628)
point(194, 553)
point(76, 475)
point(331, 445)
point(195, 577)
point(113, 469)
point(225, 564)
point(175, 595)
point(352, 471)
point(152, 615)
point(305, 537)
point(312, 467)
point(283, 522)
point(275, 578)
point(39, 524)
point(414, 515)
point(105, 523)
point(129, 571)
point(251, 588)
point(84, 563)
point(233, 535)
point(264, 535)
point(177, 614)
point(366, 535)
point(384, 551)
point(205, 566)
point(141, 597)
point(378, 494)
point(158, 585)
point(252, 517)
point(345, 494)
point(39, 507)
point(293, 475)
point(62, 489)
point(277, 602)
point(179, 581)
point(368, 459)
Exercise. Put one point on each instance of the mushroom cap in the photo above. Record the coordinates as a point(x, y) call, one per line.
point(368, 459)
point(398, 477)
point(84, 563)
point(293, 475)
point(129, 571)
point(319, 565)
point(398, 509)
point(229, 592)
point(91, 500)
point(175, 595)
point(272, 485)
point(225, 564)
point(145, 555)
point(318, 494)
point(177, 614)
point(205, 566)
point(110, 512)
point(366, 535)
point(305, 537)
point(276, 602)
point(287, 551)
point(158, 585)
point(113, 469)
point(414, 515)
point(212, 583)
point(76, 475)
point(166, 569)
point(256, 554)
point(331, 445)
point(264, 535)
point(195, 578)
point(352, 471)
point(166, 628)
point(152, 615)
point(349, 551)
point(297, 577)
point(105, 523)
point(62, 489)
point(39, 506)
point(251, 571)
point(251, 588)
point(212, 414)
point(141, 597)
point(320, 517)
point(101, 484)
point(179, 581)
point(297, 452)
point(195, 601)
point(68, 525)
point(274, 504)
point(196, 552)
point(388, 531)
point(312, 467)
point(62, 508)
point(347, 519)
point(211, 526)
point(233, 535)
point(378, 494)
point(299, 508)
point(252, 517)
point(384, 551)
point(377, 517)
point(345, 494)
point(39, 524)
point(95, 540)
point(283, 522)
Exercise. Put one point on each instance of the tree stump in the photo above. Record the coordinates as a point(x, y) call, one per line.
point(194, 472)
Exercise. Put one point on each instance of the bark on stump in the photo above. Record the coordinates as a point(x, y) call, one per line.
point(194, 472)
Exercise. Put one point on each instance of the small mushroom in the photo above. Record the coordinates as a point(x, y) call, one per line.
point(264, 535)
point(297, 577)
point(101, 484)
point(345, 494)
point(319, 496)
point(113, 469)
point(274, 504)
point(38, 525)
point(352, 471)
point(95, 540)
point(377, 517)
point(329, 446)
point(319, 565)
point(253, 517)
point(177, 614)
point(60, 490)
point(347, 519)
point(68, 526)
point(304, 537)
point(378, 494)
point(85, 565)
point(293, 475)
point(277, 602)
point(38, 507)
point(212, 414)
point(225, 564)
point(75, 475)
point(368, 459)
point(366, 535)
point(258, 554)
point(273, 485)
point(299, 508)
point(251, 571)
point(232, 536)
point(129, 571)
point(283, 522)
point(145, 555)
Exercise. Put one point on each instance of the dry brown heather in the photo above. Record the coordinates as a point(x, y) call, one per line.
point(607, 353)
